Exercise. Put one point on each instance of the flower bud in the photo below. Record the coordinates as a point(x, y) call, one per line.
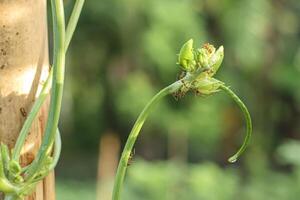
point(186, 56)
point(215, 61)
point(207, 86)
point(204, 54)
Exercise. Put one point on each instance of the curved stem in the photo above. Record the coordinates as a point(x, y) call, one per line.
point(32, 115)
point(247, 116)
point(56, 156)
point(73, 21)
point(57, 87)
point(121, 171)
point(57, 150)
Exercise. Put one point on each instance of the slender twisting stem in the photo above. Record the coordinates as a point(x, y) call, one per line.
point(134, 134)
point(73, 21)
point(46, 87)
point(56, 155)
point(56, 151)
point(32, 115)
point(121, 171)
point(247, 116)
point(57, 86)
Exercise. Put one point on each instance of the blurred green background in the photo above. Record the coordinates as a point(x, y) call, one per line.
point(124, 51)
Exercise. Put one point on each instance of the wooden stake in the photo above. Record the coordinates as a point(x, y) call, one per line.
point(107, 164)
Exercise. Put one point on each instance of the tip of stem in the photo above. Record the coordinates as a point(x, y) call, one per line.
point(232, 159)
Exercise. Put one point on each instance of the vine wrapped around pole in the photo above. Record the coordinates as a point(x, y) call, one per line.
point(17, 182)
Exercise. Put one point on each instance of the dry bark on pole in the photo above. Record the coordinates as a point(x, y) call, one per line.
point(24, 66)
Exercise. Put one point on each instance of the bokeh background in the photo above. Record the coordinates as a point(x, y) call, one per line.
point(124, 51)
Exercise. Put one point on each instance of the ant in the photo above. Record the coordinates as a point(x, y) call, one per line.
point(130, 160)
point(23, 112)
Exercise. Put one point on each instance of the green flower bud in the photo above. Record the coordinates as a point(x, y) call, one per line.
point(202, 57)
point(186, 56)
point(207, 86)
point(215, 61)
point(204, 54)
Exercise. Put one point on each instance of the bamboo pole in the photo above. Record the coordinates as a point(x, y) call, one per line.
point(24, 66)
point(107, 164)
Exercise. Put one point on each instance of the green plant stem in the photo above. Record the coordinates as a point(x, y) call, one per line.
point(57, 87)
point(247, 116)
point(56, 151)
point(5, 185)
point(11, 197)
point(46, 87)
point(56, 156)
point(5, 156)
point(73, 21)
point(122, 167)
point(32, 115)
point(121, 171)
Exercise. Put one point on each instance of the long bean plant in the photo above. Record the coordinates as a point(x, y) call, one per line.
point(15, 181)
point(199, 66)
